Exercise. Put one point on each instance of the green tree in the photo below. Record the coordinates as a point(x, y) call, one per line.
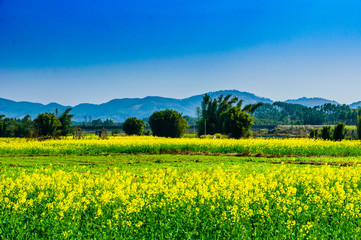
point(168, 123)
point(358, 126)
point(133, 126)
point(339, 132)
point(109, 123)
point(25, 127)
point(314, 133)
point(210, 120)
point(326, 133)
point(236, 122)
point(47, 124)
point(3, 126)
point(210, 113)
point(8, 127)
point(96, 123)
point(65, 121)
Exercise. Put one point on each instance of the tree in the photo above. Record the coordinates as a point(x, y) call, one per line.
point(47, 124)
point(2, 126)
point(339, 132)
point(326, 133)
point(358, 126)
point(8, 127)
point(109, 123)
point(236, 122)
point(77, 133)
point(25, 127)
point(314, 133)
point(96, 123)
point(103, 134)
point(65, 121)
point(133, 126)
point(210, 115)
point(168, 123)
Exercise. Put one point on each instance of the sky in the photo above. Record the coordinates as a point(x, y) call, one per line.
point(72, 52)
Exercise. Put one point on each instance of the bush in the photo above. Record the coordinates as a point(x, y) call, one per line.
point(326, 133)
point(168, 123)
point(358, 126)
point(133, 126)
point(339, 132)
point(103, 134)
point(115, 132)
point(314, 133)
point(78, 133)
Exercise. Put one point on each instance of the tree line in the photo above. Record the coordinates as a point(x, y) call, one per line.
point(97, 123)
point(45, 125)
point(295, 114)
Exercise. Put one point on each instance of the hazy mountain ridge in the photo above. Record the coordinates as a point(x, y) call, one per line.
point(15, 109)
point(120, 109)
point(355, 104)
point(311, 102)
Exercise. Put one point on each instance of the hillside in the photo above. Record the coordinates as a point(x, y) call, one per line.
point(120, 109)
point(355, 105)
point(311, 102)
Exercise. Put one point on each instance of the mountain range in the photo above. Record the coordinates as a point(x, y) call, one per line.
point(310, 102)
point(120, 109)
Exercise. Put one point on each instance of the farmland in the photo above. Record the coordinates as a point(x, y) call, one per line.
point(156, 145)
point(146, 187)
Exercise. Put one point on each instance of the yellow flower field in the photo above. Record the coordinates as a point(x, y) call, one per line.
point(145, 144)
point(283, 203)
point(205, 199)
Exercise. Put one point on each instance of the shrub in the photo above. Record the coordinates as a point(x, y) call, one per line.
point(133, 126)
point(358, 126)
point(314, 133)
point(103, 134)
point(168, 123)
point(339, 132)
point(115, 132)
point(78, 133)
point(326, 133)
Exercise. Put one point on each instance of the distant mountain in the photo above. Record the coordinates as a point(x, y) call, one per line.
point(310, 102)
point(120, 109)
point(14, 109)
point(355, 104)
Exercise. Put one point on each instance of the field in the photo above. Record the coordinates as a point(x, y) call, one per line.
point(156, 145)
point(155, 188)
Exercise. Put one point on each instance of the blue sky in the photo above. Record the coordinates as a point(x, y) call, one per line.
point(97, 50)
